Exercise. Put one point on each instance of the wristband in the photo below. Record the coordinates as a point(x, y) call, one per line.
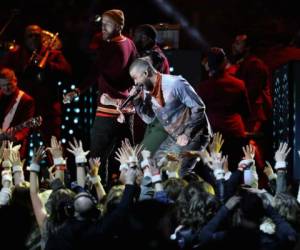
point(6, 176)
point(280, 164)
point(132, 159)
point(95, 179)
point(147, 172)
point(145, 163)
point(162, 162)
point(172, 174)
point(34, 167)
point(80, 159)
point(247, 163)
point(156, 178)
point(219, 174)
point(17, 168)
point(59, 161)
point(6, 164)
point(5, 196)
point(61, 167)
point(227, 175)
point(123, 166)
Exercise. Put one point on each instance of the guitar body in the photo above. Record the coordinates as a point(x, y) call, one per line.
point(31, 123)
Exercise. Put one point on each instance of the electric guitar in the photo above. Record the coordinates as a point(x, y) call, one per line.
point(30, 123)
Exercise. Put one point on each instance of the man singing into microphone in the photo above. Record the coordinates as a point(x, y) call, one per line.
point(177, 107)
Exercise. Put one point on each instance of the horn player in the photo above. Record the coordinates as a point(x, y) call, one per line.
point(40, 82)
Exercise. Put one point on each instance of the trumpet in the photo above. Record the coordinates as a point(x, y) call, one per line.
point(40, 59)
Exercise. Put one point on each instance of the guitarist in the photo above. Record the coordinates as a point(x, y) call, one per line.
point(15, 108)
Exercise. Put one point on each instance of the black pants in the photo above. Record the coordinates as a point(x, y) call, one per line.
point(106, 137)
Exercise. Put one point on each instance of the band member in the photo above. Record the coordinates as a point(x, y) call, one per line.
point(110, 72)
point(227, 105)
point(39, 68)
point(16, 107)
point(254, 72)
point(145, 37)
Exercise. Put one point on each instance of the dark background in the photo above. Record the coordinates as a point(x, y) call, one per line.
point(217, 21)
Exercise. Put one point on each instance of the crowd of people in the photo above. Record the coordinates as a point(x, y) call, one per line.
point(198, 179)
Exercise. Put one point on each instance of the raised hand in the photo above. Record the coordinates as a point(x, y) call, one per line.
point(216, 144)
point(122, 155)
point(249, 152)
point(56, 148)
point(94, 166)
point(12, 147)
point(77, 150)
point(16, 159)
point(217, 165)
point(38, 155)
point(282, 152)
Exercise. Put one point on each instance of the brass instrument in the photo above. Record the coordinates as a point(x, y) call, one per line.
point(49, 42)
point(6, 46)
point(47, 37)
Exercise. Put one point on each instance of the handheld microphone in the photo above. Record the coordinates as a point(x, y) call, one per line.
point(138, 89)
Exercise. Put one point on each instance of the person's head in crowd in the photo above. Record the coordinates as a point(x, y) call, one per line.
point(239, 45)
point(144, 37)
point(112, 23)
point(216, 62)
point(191, 177)
point(173, 187)
point(249, 212)
point(33, 37)
point(8, 81)
point(150, 225)
point(288, 207)
point(143, 73)
point(195, 206)
point(113, 198)
point(58, 205)
point(21, 196)
point(85, 207)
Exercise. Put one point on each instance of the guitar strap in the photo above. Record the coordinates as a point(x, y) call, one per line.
point(10, 115)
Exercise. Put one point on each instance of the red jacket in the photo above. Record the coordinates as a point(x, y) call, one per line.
point(227, 105)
